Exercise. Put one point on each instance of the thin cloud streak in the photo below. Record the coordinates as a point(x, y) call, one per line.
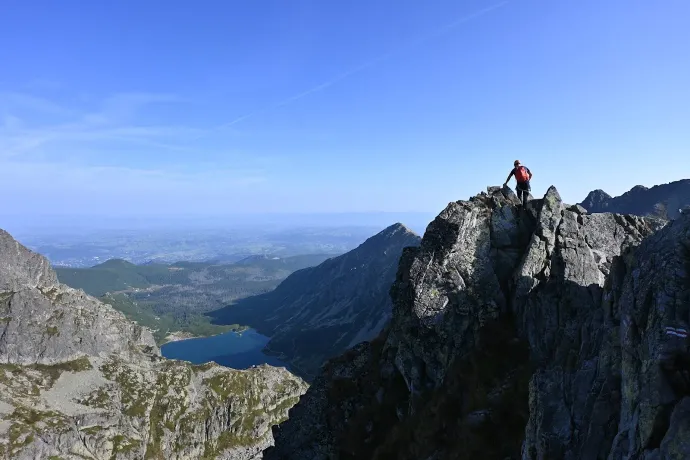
point(114, 120)
point(17, 100)
point(437, 33)
point(23, 141)
point(75, 177)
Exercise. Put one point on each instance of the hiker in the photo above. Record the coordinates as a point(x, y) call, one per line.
point(522, 175)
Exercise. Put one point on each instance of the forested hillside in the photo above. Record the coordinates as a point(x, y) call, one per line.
point(170, 298)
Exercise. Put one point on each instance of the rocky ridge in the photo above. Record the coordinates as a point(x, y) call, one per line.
point(664, 201)
point(318, 312)
point(535, 333)
point(77, 380)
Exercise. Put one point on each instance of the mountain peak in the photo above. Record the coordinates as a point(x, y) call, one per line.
point(337, 304)
point(115, 263)
point(393, 236)
point(596, 199)
point(599, 193)
point(395, 229)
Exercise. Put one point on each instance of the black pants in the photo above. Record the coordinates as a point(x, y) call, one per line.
point(523, 189)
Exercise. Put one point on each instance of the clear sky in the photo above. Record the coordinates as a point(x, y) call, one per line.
point(133, 107)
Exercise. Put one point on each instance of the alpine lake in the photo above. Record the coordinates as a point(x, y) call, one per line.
point(237, 350)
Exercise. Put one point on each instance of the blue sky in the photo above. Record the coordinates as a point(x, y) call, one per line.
point(232, 106)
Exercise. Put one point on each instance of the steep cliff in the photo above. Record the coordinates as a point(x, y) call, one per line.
point(319, 312)
point(77, 380)
point(536, 333)
point(662, 201)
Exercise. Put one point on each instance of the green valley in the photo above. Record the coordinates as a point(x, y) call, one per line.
point(171, 299)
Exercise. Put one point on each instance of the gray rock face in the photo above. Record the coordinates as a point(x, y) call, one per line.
point(319, 312)
point(665, 201)
point(45, 322)
point(534, 333)
point(21, 268)
point(77, 380)
point(49, 325)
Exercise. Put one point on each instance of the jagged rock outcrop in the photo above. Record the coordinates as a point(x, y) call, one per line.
point(533, 333)
point(319, 312)
point(77, 380)
point(664, 201)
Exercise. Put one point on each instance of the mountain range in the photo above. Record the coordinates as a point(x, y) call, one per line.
point(663, 201)
point(319, 312)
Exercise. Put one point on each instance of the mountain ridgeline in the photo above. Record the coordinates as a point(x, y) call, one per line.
point(318, 312)
point(663, 201)
point(541, 332)
point(78, 380)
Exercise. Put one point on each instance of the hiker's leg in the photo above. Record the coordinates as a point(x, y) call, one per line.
point(525, 193)
point(522, 193)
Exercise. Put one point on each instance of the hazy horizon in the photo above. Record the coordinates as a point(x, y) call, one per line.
point(276, 221)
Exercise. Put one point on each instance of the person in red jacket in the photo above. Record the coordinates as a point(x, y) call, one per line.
point(522, 176)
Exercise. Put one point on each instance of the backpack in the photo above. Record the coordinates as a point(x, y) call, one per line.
point(521, 174)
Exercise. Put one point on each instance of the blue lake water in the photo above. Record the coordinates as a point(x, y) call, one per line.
point(238, 350)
